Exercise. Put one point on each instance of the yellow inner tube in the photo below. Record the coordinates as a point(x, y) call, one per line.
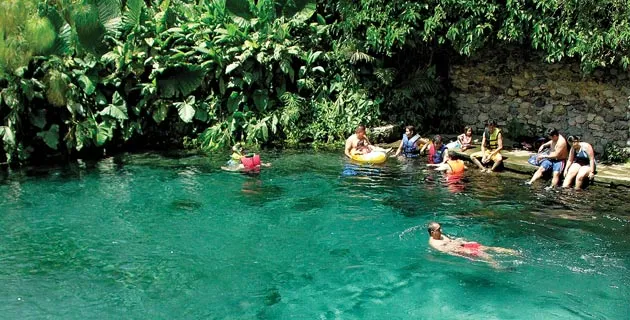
point(372, 157)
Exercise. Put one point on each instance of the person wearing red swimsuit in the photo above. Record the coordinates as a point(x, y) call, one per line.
point(462, 248)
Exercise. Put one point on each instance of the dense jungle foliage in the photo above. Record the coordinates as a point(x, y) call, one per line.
point(77, 76)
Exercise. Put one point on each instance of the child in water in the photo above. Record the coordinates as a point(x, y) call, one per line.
point(243, 162)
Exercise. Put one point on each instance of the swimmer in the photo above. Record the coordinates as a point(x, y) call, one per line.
point(244, 162)
point(461, 248)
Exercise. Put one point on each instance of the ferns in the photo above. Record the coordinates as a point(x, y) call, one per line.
point(357, 57)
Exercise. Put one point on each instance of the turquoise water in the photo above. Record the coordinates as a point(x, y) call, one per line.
point(157, 237)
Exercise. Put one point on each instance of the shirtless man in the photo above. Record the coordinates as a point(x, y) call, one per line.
point(555, 159)
point(461, 248)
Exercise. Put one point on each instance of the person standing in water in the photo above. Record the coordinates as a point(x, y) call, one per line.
point(462, 248)
point(411, 143)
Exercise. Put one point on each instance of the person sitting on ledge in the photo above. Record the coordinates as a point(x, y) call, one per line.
point(491, 146)
point(581, 163)
point(411, 143)
point(462, 248)
point(464, 140)
point(554, 159)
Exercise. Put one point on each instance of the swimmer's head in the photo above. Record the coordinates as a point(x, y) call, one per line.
point(433, 228)
point(237, 147)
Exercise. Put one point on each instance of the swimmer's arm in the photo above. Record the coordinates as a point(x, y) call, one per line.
point(234, 168)
point(399, 150)
point(439, 166)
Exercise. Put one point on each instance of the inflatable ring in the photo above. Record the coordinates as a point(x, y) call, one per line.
point(372, 157)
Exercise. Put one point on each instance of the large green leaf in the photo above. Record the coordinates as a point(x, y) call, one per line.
point(180, 81)
point(50, 137)
point(131, 17)
point(8, 137)
point(160, 112)
point(38, 118)
point(89, 29)
point(239, 9)
point(300, 10)
point(110, 16)
point(117, 109)
point(104, 132)
point(86, 84)
point(234, 101)
point(186, 109)
point(261, 100)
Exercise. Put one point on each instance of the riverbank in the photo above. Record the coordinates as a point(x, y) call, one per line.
point(516, 161)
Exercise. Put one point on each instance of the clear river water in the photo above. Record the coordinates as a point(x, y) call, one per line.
point(150, 236)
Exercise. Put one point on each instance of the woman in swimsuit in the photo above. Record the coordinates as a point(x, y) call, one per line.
point(581, 163)
point(462, 248)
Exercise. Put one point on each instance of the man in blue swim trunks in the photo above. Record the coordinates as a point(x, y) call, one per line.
point(555, 159)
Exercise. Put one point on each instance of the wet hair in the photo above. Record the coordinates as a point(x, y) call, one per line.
point(466, 128)
point(432, 227)
point(410, 128)
point(360, 128)
point(552, 132)
point(437, 139)
point(574, 138)
point(453, 156)
point(491, 123)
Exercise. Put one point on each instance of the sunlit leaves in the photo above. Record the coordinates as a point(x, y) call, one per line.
point(186, 109)
point(117, 109)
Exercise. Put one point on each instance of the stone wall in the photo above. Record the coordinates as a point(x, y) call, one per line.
point(526, 96)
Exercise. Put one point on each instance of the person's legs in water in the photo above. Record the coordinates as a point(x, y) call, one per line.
point(581, 175)
point(545, 165)
point(474, 158)
point(571, 173)
point(558, 168)
point(497, 161)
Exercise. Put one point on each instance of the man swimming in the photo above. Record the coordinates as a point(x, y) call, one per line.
point(460, 247)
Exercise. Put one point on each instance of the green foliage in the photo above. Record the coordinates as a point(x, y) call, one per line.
point(76, 75)
point(615, 154)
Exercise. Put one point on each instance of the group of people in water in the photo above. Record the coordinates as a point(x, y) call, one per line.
point(576, 163)
point(571, 158)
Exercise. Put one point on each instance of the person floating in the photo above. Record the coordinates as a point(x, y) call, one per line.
point(453, 165)
point(358, 145)
point(491, 146)
point(462, 248)
point(554, 159)
point(411, 143)
point(581, 163)
point(464, 140)
point(239, 161)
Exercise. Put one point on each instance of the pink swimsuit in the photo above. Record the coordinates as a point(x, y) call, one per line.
point(473, 248)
